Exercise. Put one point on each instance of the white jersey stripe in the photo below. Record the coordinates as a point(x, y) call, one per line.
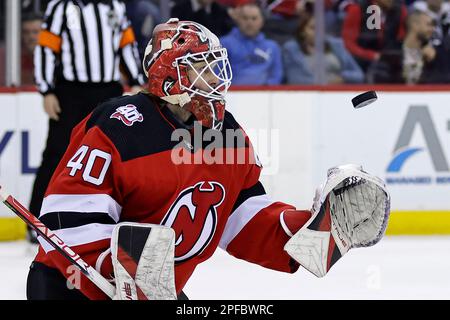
point(50, 64)
point(116, 74)
point(241, 216)
point(80, 235)
point(130, 60)
point(57, 21)
point(80, 62)
point(284, 226)
point(93, 44)
point(81, 203)
point(108, 54)
point(39, 73)
point(50, 6)
point(67, 58)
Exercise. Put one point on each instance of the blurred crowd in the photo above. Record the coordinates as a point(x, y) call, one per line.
point(274, 42)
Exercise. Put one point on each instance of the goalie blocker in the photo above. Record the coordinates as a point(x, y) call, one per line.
point(143, 261)
point(350, 210)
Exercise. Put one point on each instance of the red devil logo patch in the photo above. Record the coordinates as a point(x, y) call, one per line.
point(193, 216)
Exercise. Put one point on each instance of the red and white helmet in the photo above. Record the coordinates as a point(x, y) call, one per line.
point(176, 46)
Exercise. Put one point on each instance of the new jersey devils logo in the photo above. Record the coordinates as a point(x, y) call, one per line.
point(193, 216)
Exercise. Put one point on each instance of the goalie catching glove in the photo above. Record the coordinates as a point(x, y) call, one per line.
point(350, 210)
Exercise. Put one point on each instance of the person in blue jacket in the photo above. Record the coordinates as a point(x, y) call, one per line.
point(255, 59)
point(299, 58)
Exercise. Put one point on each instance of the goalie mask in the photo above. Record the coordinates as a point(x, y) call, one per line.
point(187, 66)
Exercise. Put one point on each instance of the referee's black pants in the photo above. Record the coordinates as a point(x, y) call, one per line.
point(76, 100)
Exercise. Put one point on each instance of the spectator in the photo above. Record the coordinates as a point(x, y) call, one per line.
point(368, 44)
point(255, 60)
point(144, 15)
point(417, 49)
point(31, 26)
point(335, 12)
point(439, 11)
point(206, 12)
point(299, 62)
point(282, 19)
point(437, 70)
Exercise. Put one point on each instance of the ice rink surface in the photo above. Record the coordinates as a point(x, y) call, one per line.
point(396, 268)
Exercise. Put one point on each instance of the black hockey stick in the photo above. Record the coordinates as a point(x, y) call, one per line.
point(57, 243)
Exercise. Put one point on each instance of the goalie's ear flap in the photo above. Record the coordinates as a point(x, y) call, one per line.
point(143, 261)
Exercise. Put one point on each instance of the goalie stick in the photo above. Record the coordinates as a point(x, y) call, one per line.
point(57, 243)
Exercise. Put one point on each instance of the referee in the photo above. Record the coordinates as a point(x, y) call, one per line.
point(82, 48)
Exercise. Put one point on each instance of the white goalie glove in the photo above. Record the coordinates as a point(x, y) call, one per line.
point(350, 210)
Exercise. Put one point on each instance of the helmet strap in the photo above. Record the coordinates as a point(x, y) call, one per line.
point(177, 99)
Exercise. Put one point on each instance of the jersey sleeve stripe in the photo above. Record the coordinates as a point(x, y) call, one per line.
point(255, 190)
point(241, 216)
point(284, 225)
point(81, 203)
point(80, 235)
point(64, 220)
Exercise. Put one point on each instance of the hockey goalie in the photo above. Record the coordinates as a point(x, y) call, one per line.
point(122, 169)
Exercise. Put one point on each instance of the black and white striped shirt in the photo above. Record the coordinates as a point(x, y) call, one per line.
point(85, 41)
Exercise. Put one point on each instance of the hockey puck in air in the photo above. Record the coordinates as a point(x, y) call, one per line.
point(364, 99)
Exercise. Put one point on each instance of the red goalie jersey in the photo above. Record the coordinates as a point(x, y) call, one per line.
point(121, 165)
